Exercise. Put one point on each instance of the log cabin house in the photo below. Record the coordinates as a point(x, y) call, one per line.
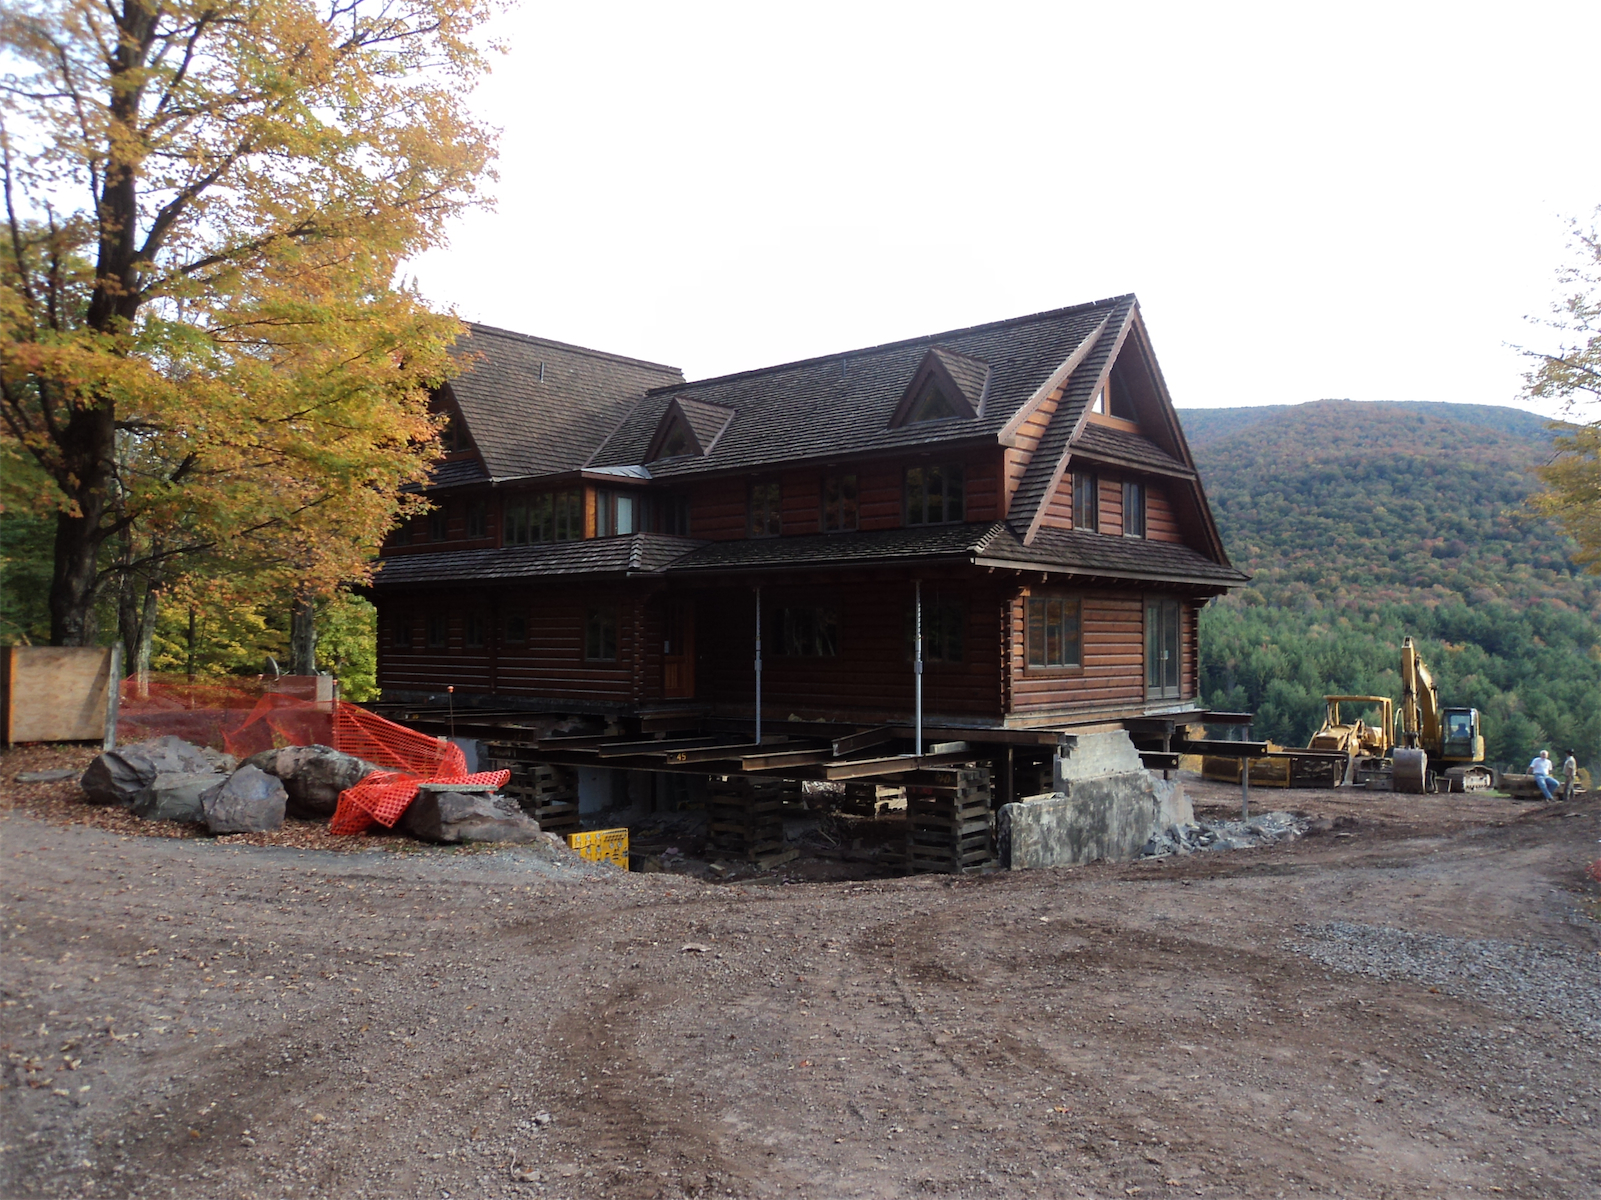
point(760, 552)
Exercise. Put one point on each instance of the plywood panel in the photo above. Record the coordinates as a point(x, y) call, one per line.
point(55, 693)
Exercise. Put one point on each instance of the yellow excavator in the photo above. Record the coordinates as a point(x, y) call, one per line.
point(1438, 748)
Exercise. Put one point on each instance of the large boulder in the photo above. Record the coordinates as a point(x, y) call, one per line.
point(248, 801)
point(313, 776)
point(117, 776)
point(176, 796)
point(468, 817)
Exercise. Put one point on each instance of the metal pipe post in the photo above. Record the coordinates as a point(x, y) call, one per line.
point(758, 666)
point(917, 665)
point(1245, 781)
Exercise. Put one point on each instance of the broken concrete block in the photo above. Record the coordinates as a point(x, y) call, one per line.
point(173, 796)
point(464, 817)
point(117, 776)
point(248, 801)
point(313, 776)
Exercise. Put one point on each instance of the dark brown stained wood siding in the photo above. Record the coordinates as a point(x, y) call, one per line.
point(1112, 505)
point(1113, 673)
point(413, 538)
point(802, 502)
point(719, 510)
point(551, 663)
point(1027, 441)
point(1059, 508)
point(1160, 523)
point(879, 488)
point(871, 678)
point(1189, 679)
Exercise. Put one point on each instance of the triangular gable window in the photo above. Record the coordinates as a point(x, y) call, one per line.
point(946, 385)
point(932, 404)
point(673, 438)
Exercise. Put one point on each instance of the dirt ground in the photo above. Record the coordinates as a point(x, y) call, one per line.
point(1409, 1005)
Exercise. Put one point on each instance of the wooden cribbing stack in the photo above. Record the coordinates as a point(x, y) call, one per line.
point(873, 799)
point(547, 793)
point(951, 821)
point(747, 819)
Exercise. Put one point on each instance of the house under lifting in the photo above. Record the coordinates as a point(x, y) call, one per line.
point(966, 548)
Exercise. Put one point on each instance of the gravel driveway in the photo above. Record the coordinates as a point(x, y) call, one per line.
point(1408, 1008)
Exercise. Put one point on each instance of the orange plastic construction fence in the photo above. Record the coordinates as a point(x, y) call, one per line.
point(247, 716)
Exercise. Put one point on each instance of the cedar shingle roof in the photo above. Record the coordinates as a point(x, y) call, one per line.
point(639, 553)
point(1087, 553)
point(1119, 445)
point(970, 374)
point(522, 425)
point(843, 403)
point(1075, 552)
point(1035, 489)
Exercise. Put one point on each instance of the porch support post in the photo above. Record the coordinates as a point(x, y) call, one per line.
point(917, 664)
point(758, 665)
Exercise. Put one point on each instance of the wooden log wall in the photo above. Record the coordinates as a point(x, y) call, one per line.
point(719, 509)
point(1113, 671)
point(871, 679)
point(550, 663)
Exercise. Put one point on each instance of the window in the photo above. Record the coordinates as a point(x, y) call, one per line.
point(765, 518)
point(455, 437)
point(1162, 649)
point(600, 635)
point(438, 631)
point(944, 629)
point(1086, 501)
point(547, 517)
point(934, 494)
point(839, 503)
point(516, 629)
point(1133, 508)
point(671, 515)
point(438, 524)
point(477, 519)
point(809, 632)
point(932, 404)
point(473, 632)
point(1054, 636)
point(616, 513)
point(401, 635)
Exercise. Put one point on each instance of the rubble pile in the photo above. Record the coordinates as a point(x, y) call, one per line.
point(169, 779)
point(1261, 830)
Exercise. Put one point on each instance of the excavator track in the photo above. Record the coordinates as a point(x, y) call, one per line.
point(1469, 779)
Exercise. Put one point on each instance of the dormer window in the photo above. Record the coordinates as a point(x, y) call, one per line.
point(675, 442)
point(688, 426)
point(946, 385)
point(932, 404)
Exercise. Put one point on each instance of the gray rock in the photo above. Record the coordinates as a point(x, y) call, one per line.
point(313, 776)
point(117, 776)
point(463, 817)
point(176, 797)
point(248, 801)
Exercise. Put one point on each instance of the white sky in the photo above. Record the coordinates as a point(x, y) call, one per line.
point(1310, 201)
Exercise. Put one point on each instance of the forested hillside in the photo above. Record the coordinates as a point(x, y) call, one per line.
point(1362, 523)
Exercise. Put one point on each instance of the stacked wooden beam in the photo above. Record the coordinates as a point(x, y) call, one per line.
point(746, 818)
point(547, 793)
point(951, 822)
point(873, 799)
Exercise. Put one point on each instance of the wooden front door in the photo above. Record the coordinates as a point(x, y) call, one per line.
point(678, 651)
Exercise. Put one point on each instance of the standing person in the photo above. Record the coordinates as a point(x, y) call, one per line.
point(1540, 768)
point(1570, 775)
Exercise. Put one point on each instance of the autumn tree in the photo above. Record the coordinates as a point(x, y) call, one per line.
point(201, 353)
point(1572, 375)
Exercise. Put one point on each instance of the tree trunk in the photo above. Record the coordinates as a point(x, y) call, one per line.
point(87, 445)
point(303, 635)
